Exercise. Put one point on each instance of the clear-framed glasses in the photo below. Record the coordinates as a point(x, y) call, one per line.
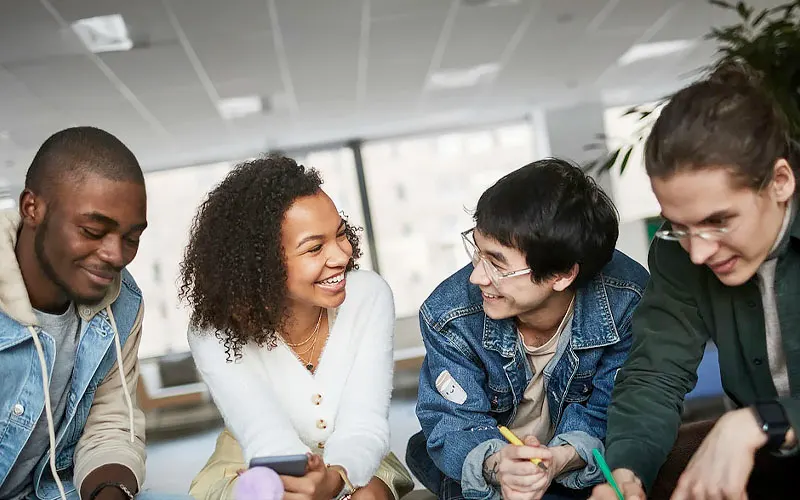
point(708, 234)
point(475, 255)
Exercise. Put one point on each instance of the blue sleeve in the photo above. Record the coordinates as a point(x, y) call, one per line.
point(456, 424)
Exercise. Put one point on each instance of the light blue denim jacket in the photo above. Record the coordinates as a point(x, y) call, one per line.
point(22, 392)
point(485, 357)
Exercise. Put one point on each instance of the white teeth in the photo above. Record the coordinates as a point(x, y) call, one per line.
point(333, 280)
point(489, 295)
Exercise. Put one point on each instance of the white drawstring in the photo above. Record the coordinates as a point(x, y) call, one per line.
point(122, 371)
point(48, 408)
point(48, 411)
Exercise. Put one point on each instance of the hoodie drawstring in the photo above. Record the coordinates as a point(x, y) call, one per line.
point(121, 368)
point(48, 411)
point(48, 407)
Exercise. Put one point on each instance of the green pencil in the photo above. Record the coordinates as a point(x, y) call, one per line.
point(606, 472)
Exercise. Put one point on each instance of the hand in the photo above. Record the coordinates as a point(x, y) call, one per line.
point(722, 465)
point(374, 490)
point(319, 483)
point(628, 483)
point(518, 477)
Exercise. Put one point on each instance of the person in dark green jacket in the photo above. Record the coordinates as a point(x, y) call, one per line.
point(724, 267)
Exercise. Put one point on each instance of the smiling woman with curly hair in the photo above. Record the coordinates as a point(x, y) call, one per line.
point(243, 295)
point(294, 343)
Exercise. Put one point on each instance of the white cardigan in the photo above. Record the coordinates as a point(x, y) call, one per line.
point(274, 406)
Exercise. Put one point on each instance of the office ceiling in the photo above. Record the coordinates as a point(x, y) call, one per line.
point(327, 70)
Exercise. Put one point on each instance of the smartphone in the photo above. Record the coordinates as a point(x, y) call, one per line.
point(284, 465)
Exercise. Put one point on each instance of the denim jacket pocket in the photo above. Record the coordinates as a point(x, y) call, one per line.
point(580, 389)
point(500, 401)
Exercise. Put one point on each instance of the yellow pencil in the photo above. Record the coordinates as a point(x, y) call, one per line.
point(515, 441)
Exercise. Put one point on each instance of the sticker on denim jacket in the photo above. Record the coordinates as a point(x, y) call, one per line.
point(449, 388)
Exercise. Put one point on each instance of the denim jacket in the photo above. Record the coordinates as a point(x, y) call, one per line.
point(96, 425)
point(486, 358)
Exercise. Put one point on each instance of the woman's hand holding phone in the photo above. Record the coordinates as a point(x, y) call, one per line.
point(319, 483)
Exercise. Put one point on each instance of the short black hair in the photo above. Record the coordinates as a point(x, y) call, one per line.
point(555, 214)
point(725, 120)
point(72, 153)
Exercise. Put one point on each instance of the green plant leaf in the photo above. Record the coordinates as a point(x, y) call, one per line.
point(760, 18)
point(743, 10)
point(721, 3)
point(610, 161)
point(625, 159)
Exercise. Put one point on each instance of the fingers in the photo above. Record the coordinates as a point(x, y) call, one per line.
point(315, 463)
point(510, 493)
point(528, 452)
point(300, 485)
point(630, 491)
point(531, 441)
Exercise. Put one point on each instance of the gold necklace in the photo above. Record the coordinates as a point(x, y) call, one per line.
point(313, 333)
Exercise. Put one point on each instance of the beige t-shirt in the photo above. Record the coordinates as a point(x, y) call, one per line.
point(533, 413)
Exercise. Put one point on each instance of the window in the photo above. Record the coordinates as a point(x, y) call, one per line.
point(436, 181)
point(172, 200)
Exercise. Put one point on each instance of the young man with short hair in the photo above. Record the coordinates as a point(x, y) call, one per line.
point(530, 336)
point(70, 323)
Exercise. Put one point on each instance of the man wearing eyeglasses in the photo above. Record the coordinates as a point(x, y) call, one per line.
point(529, 336)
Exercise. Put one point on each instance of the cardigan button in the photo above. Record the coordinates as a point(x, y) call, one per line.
point(321, 424)
point(316, 399)
point(321, 445)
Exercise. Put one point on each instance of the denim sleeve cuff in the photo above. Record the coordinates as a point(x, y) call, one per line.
point(473, 483)
point(583, 444)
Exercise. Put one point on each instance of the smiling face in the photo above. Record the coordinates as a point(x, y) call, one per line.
point(87, 234)
point(694, 200)
point(514, 296)
point(317, 252)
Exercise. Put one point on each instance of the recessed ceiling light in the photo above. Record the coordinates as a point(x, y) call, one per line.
point(463, 77)
point(103, 33)
point(642, 51)
point(238, 107)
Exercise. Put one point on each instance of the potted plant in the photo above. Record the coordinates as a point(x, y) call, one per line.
point(767, 40)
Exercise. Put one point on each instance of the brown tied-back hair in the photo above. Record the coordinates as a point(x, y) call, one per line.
point(233, 275)
point(725, 120)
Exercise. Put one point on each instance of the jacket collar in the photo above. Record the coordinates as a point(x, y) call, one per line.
point(592, 323)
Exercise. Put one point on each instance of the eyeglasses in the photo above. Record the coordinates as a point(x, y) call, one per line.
point(475, 255)
point(710, 234)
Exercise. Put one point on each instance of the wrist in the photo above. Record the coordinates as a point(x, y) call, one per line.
point(490, 469)
point(334, 482)
point(745, 423)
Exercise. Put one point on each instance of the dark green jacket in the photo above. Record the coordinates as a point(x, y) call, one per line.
point(683, 306)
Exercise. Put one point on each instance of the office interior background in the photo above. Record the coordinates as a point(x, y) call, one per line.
point(409, 108)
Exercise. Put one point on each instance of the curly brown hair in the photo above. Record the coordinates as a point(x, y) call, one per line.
point(233, 275)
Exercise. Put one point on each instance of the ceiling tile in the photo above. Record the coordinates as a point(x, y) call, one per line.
point(323, 66)
point(199, 18)
point(164, 67)
point(380, 9)
point(29, 33)
point(67, 82)
point(495, 26)
point(240, 57)
point(177, 106)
